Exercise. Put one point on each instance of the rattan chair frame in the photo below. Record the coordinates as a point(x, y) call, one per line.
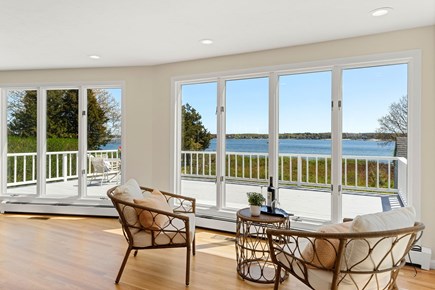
point(278, 237)
point(181, 204)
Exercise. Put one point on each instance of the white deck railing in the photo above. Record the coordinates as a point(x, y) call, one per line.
point(61, 165)
point(360, 173)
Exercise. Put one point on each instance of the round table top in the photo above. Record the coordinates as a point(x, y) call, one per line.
point(245, 214)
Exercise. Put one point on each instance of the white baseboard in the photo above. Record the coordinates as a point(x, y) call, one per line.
point(422, 258)
point(216, 224)
point(59, 209)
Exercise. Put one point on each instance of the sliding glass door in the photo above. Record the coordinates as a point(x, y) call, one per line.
point(104, 150)
point(199, 143)
point(246, 139)
point(62, 137)
point(374, 142)
point(305, 148)
point(334, 139)
point(45, 129)
point(22, 158)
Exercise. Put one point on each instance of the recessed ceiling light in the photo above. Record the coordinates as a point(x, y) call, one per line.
point(206, 41)
point(381, 11)
point(94, 57)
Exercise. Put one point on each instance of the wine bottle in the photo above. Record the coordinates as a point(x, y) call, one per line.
point(270, 193)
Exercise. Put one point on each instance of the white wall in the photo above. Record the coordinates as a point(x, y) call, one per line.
point(147, 91)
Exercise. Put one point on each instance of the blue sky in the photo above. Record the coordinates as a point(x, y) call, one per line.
point(116, 93)
point(305, 100)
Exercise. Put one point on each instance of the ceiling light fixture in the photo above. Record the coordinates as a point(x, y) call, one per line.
point(381, 11)
point(206, 41)
point(94, 57)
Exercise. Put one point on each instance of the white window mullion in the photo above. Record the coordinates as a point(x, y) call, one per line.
point(336, 136)
point(220, 148)
point(83, 142)
point(176, 135)
point(3, 141)
point(41, 141)
point(413, 194)
point(273, 130)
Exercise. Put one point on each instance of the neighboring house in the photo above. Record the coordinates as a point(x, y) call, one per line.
point(401, 149)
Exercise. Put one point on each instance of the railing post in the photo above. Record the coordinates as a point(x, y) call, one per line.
point(64, 166)
point(299, 170)
point(402, 184)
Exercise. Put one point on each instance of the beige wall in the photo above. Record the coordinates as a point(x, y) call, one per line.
point(148, 103)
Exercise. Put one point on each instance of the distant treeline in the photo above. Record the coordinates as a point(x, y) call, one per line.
point(352, 136)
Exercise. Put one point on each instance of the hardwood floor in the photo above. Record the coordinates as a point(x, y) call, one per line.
point(63, 252)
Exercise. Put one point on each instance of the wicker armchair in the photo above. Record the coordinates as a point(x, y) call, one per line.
point(375, 264)
point(178, 229)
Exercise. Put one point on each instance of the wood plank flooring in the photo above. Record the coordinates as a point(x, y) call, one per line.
point(64, 252)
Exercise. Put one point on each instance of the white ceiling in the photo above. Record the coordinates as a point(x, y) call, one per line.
point(63, 33)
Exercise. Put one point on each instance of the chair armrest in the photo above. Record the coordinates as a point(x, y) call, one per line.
point(182, 204)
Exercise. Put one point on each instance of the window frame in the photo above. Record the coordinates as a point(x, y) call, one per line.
point(42, 89)
point(336, 66)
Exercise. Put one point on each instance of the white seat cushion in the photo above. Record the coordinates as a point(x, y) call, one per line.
point(322, 280)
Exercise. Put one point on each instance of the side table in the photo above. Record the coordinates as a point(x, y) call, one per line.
point(252, 249)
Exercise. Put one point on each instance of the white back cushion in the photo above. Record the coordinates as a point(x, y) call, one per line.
point(128, 191)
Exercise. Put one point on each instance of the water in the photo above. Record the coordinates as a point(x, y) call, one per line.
point(297, 146)
point(112, 145)
point(309, 146)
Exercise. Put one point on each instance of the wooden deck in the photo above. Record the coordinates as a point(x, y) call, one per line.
point(63, 252)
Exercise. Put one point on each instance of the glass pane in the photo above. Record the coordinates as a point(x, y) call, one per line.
point(198, 142)
point(375, 126)
point(305, 144)
point(104, 140)
point(62, 142)
point(21, 155)
point(247, 127)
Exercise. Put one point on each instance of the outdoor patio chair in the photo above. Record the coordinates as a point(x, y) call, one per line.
point(366, 253)
point(151, 219)
point(103, 169)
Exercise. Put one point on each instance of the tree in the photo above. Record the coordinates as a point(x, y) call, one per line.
point(98, 132)
point(111, 109)
point(195, 135)
point(63, 115)
point(395, 123)
point(22, 114)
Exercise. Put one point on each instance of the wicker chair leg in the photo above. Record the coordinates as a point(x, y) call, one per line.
point(277, 277)
point(127, 254)
point(188, 265)
point(193, 245)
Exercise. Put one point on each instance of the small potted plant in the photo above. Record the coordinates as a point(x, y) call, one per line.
point(255, 200)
